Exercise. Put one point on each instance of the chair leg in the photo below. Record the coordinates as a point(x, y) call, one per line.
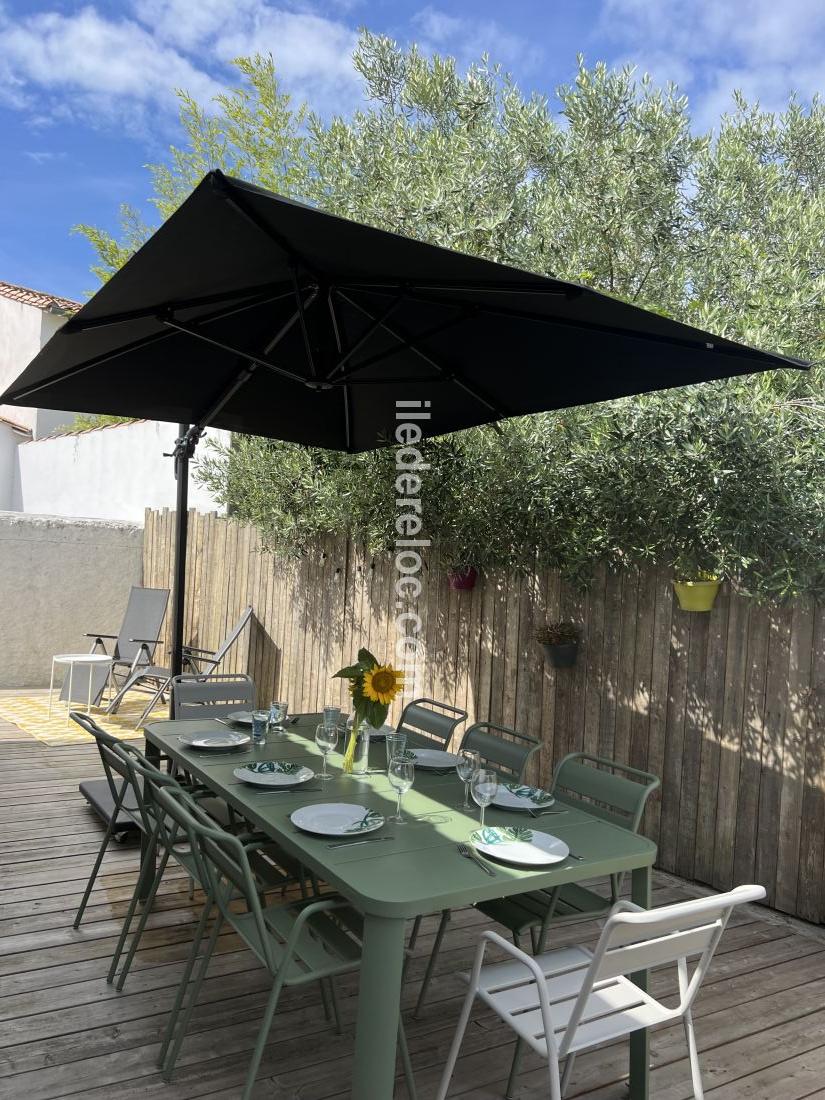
point(514, 1068)
point(325, 1000)
point(333, 996)
point(138, 933)
point(428, 973)
point(695, 1073)
point(184, 982)
point(104, 844)
point(452, 1057)
point(406, 1062)
point(263, 1035)
point(148, 860)
point(147, 710)
point(416, 928)
point(568, 1072)
point(194, 993)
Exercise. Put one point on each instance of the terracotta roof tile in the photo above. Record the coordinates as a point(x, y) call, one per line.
point(37, 298)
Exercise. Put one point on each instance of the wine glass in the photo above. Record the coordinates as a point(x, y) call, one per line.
point(326, 738)
point(484, 785)
point(469, 762)
point(401, 775)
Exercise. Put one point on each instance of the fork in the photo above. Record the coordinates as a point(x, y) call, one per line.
point(544, 813)
point(468, 853)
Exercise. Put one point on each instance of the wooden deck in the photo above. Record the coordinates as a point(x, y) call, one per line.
point(64, 1032)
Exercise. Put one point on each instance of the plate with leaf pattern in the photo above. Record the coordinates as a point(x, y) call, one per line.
point(520, 845)
point(274, 773)
point(518, 796)
point(336, 819)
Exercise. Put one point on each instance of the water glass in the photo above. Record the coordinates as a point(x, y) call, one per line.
point(468, 764)
point(277, 716)
point(260, 721)
point(401, 775)
point(326, 738)
point(396, 745)
point(332, 716)
point(484, 785)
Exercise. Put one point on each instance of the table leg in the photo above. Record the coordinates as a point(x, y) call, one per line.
point(379, 1003)
point(69, 696)
point(51, 689)
point(639, 1084)
point(148, 866)
point(89, 692)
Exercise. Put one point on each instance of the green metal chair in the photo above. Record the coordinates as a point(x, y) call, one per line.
point(614, 792)
point(435, 720)
point(312, 940)
point(504, 749)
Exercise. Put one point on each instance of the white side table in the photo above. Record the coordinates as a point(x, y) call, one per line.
point(72, 659)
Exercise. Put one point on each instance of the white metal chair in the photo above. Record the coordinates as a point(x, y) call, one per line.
point(568, 1000)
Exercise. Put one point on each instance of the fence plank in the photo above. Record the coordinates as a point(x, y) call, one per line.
point(729, 708)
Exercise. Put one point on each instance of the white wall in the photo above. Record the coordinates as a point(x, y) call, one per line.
point(24, 329)
point(9, 439)
point(58, 579)
point(112, 473)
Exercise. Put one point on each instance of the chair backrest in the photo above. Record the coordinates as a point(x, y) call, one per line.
point(501, 746)
point(615, 792)
point(206, 696)
point(635, 939)
point(420, 716)
point(121, 765)
point(232, 636)
point(222, 861)
point(142, 619)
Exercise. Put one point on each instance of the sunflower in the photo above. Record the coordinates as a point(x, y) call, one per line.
point(382, 683)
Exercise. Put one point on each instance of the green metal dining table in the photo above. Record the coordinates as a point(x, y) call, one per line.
point(416, 871)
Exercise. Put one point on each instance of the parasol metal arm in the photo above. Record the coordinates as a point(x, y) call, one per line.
point(446, 373)
point(224, 190)
point(244, 298)
point(194, 331)
point(370, 330)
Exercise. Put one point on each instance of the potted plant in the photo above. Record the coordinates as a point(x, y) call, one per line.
point(560, 642)
point(696, 591)
point(462, 578)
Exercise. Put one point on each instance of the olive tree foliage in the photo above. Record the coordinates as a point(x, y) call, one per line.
point(607, 185)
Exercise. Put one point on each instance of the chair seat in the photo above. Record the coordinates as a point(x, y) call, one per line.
point(523, 911)
point(325, 945)
point(615, 1007)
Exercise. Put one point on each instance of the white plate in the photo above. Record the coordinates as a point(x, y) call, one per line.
point(434, 758)
point(274, 773)
point(336, 819)
point(520, 845)
point(240, 717)
point(517, 796)
point(219, 741)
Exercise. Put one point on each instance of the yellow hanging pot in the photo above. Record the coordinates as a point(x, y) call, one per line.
point(697, 595)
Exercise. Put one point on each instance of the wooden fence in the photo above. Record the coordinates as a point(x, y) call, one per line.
point(727, 707)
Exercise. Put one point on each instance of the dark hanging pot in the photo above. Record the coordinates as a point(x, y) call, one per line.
point(562, 654)
point(462, 580)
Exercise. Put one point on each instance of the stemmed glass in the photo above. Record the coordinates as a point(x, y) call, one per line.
point(469, 762)
point(401, 775)
point(484, 784)
point(326, 738)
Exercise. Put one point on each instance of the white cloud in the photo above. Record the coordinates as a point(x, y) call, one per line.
point(764, 48)
point(467, 39)
point(124, 70)
point(84, 65)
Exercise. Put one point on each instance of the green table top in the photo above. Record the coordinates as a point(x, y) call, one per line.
point(419, 870)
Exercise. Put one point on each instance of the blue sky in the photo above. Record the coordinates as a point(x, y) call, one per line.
point(86, 89)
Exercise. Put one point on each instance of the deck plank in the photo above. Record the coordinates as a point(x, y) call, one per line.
point(65, 1033)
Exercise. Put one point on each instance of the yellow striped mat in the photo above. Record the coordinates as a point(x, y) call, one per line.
point(30, 713)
